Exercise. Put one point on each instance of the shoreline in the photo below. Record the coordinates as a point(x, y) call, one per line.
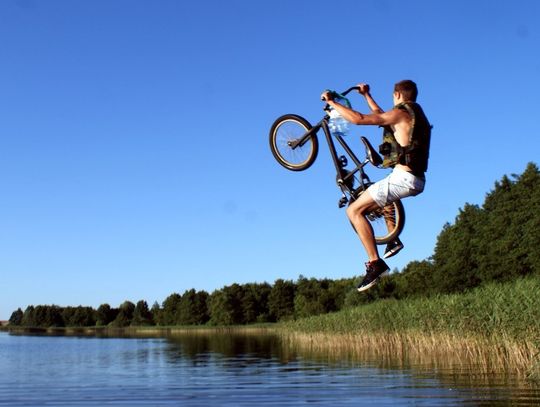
point(493, 327)
point(136, 331)
point(488, 355)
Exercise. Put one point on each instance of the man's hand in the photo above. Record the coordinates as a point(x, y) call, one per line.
point(327, 96)
point(363, 88)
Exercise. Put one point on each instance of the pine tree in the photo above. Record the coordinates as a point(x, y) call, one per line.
point(455, 252)
point(16, 318)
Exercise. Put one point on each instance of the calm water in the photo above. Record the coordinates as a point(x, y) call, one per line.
point(224, 370)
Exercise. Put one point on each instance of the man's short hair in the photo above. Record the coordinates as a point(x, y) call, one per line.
point(408, 89)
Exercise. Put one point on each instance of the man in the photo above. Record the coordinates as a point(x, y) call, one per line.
point(405, 148)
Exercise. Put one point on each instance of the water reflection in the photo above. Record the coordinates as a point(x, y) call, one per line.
point(227, 345)
point(427, 375)
point(224, 368)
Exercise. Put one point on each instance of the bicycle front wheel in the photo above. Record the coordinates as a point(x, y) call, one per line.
point(387, 222)
point(284, 132)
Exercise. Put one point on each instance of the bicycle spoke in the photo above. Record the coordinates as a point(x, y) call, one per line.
point(387, 222)
point(286, 133)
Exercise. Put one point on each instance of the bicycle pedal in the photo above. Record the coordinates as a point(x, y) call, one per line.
point(343, 202)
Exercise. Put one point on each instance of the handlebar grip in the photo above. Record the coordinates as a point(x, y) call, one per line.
point(331, 92)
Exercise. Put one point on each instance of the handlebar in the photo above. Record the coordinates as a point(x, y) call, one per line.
point(350, 90)
point(344, 93)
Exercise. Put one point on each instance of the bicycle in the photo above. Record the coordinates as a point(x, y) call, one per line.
point(294, 144)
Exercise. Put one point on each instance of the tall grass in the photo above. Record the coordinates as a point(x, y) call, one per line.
point(497, 325)
point(510, 310)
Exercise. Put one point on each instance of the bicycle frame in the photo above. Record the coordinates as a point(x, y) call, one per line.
point(344, 177)
point(391, 217)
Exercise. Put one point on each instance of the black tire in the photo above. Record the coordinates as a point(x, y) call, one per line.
point(387, 222)
point(286, 129)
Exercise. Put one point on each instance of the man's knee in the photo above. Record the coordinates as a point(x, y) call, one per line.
point(351, 212)
point(360, 208)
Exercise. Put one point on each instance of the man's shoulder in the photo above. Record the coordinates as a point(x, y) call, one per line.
point(403, 115)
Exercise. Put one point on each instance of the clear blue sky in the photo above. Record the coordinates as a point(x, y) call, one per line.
point(134, 135)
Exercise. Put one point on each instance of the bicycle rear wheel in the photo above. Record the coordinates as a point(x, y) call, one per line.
point(387, 222)
point(284, 131)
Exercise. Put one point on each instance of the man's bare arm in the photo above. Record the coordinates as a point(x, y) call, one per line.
point(377, 119)
point(372, 104)
point(363, 89)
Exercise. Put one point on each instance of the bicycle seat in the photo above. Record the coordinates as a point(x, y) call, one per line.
point(372, 155)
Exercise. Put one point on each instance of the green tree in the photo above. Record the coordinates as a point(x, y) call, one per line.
point(68, 316)
point(201, 308)
point(125, 314)
point(338, 291)
point(16, 318)
point(529, 185)
point(416, 279)
point(281, 300)
point(48, 316)
point(509, 235)
point(193, 308)
point(499, 235)
point(157, 314)
point(141, 314)
point(456, 250)
point(225, 306)
point(78, 316)
point(186, 308)
point(105, 315)
point(169, 315)
point(312, 297)
point(495, 242)
point(28, 317)
point(255, 302)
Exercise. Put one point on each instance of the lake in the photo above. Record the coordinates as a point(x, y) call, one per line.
point(229, 370)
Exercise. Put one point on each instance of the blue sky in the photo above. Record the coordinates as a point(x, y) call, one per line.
point(134, 135)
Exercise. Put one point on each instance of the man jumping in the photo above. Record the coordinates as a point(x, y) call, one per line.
point(405, 148)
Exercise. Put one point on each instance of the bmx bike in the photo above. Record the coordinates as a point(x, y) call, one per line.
point(294, 144)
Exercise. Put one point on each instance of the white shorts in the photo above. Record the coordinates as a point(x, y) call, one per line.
point(399, 184)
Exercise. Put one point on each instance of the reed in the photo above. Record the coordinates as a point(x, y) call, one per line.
point(494, 327)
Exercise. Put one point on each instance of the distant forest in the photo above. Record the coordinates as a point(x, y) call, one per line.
point(497, 241)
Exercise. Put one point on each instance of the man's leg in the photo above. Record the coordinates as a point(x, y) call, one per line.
point(375, 267)
point(357, 215)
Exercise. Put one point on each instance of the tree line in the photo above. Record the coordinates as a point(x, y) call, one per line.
point(236, 304)
point(493, 242)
